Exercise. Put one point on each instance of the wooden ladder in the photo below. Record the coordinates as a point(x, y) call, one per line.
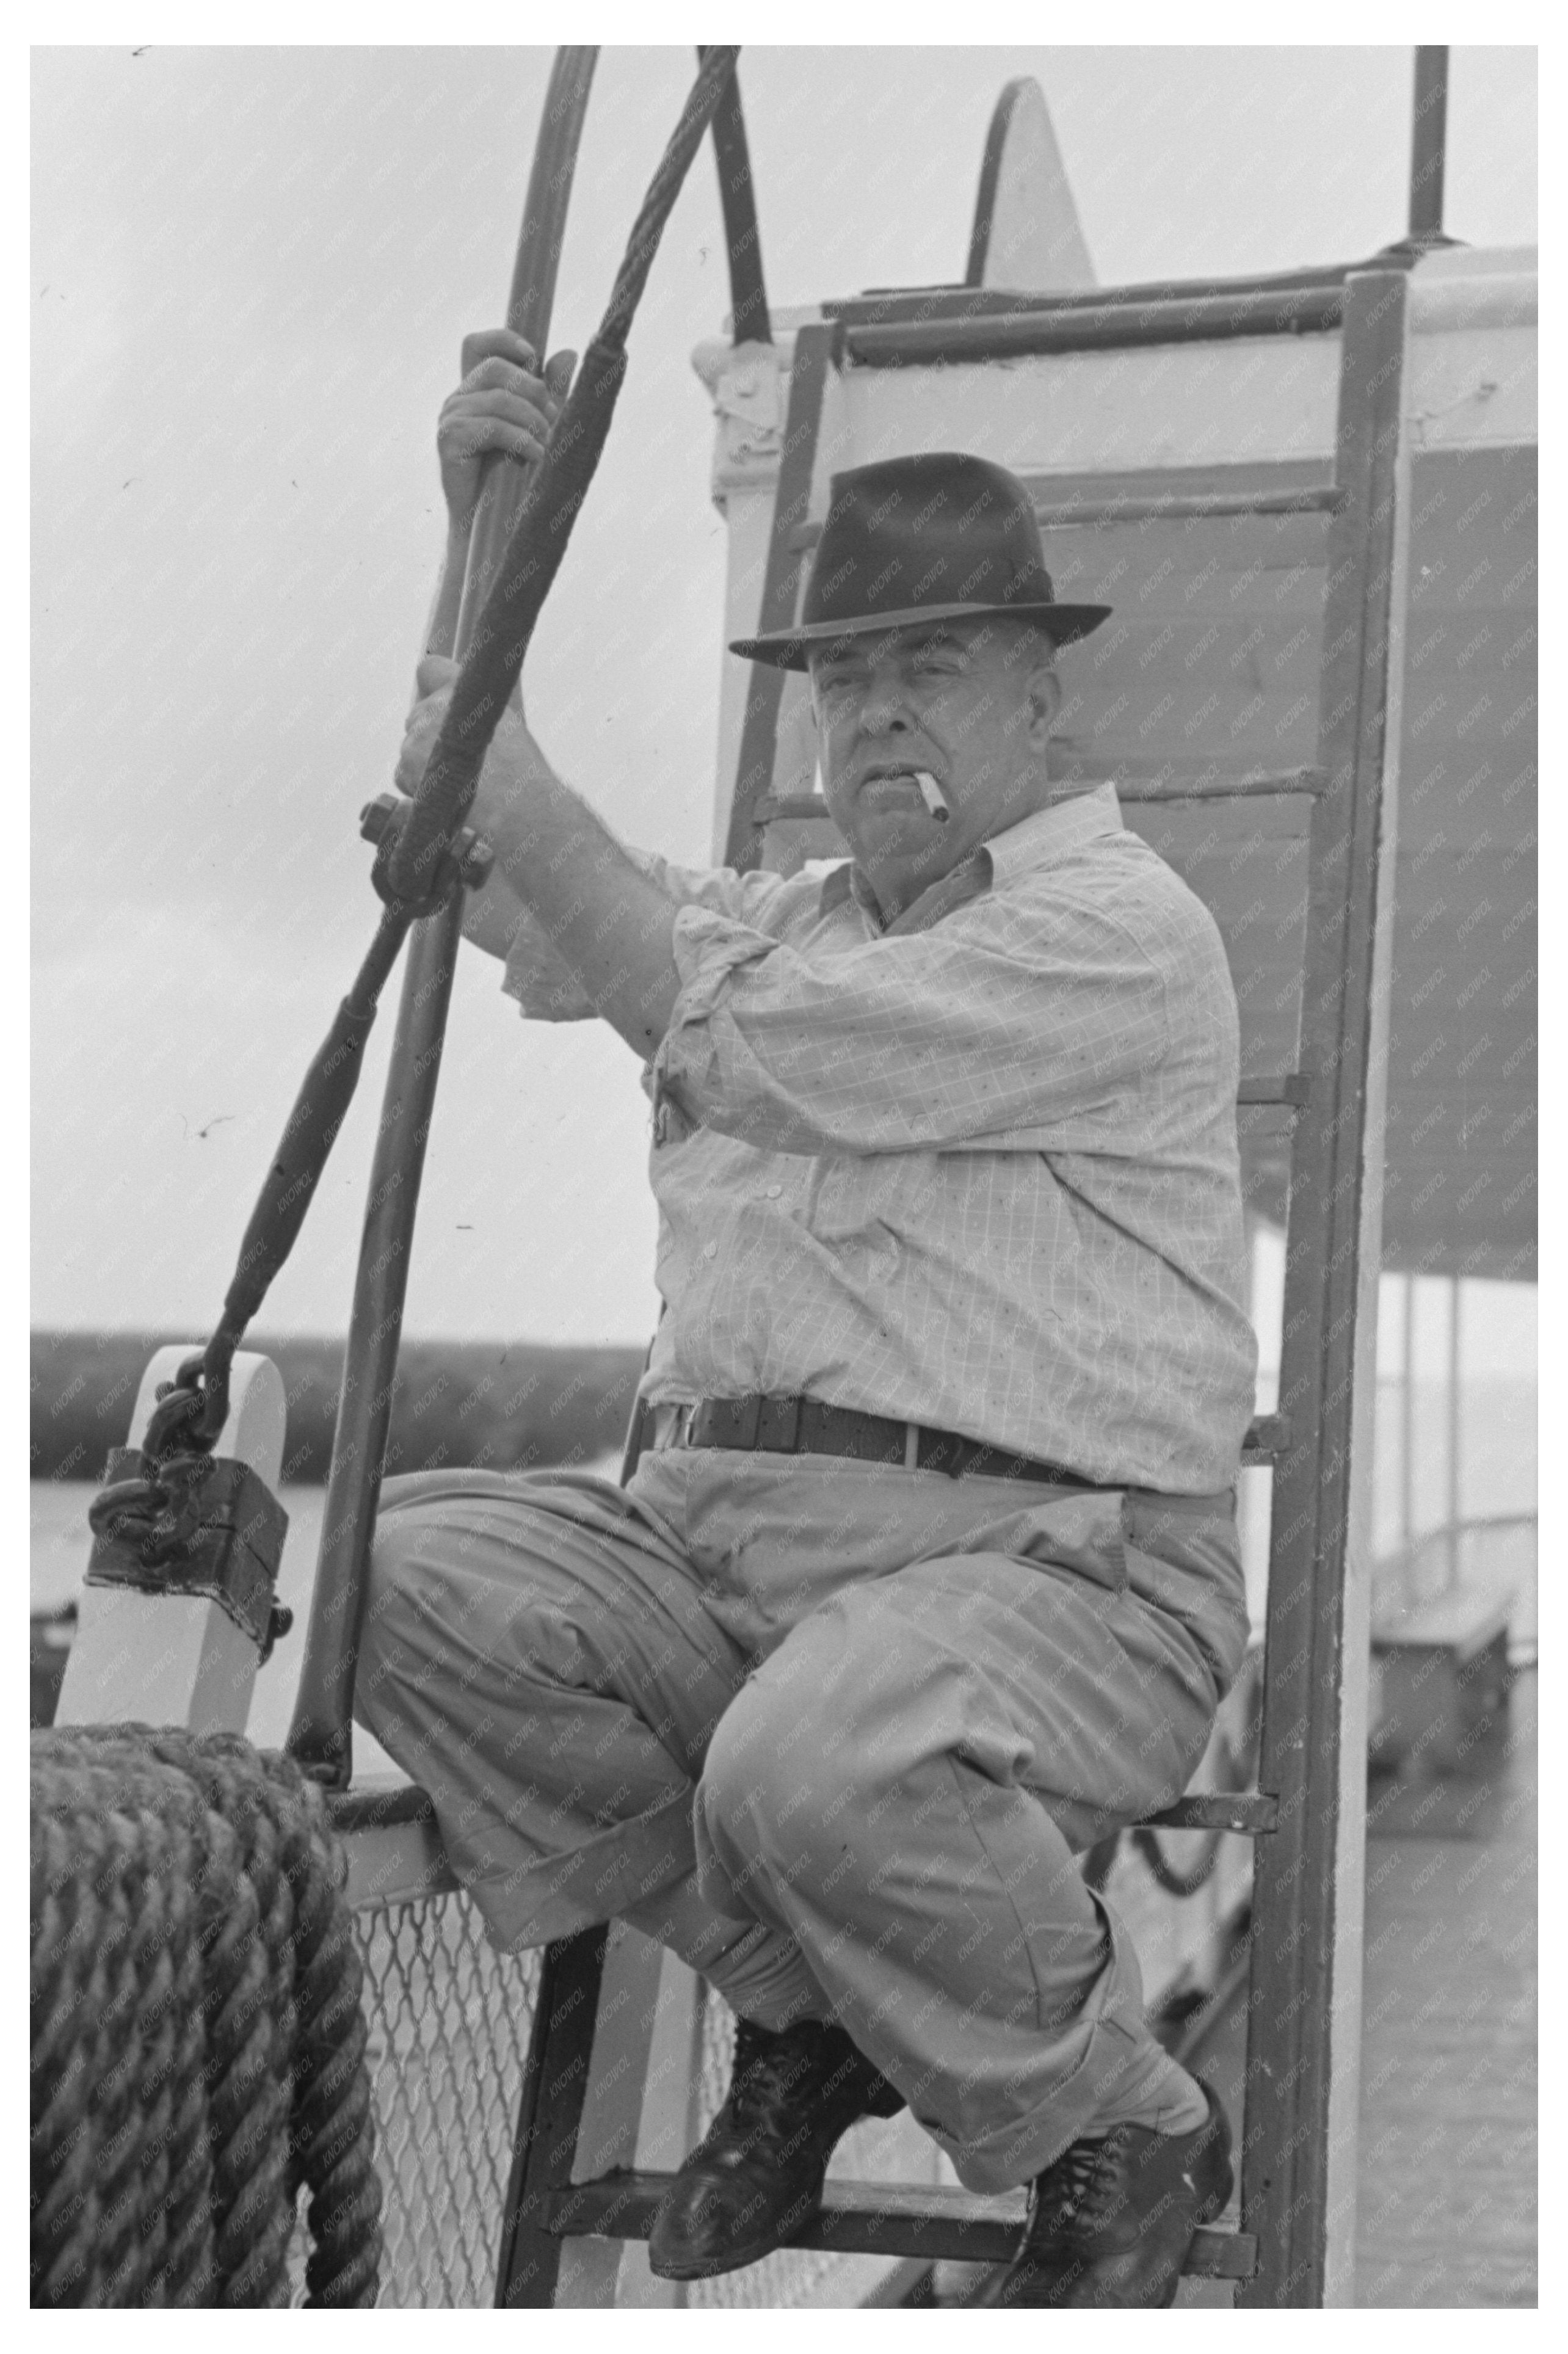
point(1307, 1813)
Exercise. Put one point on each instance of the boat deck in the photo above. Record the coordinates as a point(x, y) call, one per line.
point(1447, 2215)
point(1447, 2207)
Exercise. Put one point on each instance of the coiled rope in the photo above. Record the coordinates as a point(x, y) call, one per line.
point(197, 2041)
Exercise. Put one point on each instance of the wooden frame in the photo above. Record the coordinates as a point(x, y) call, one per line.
point(1296, 2243)
point(785, 563)
point(1304, 2020)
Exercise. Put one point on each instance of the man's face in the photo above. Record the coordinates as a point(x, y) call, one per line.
point(969, 701)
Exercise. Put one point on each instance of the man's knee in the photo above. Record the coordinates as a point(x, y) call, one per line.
point(399, 1633)
point(788, 1758)
point(436, 1611)
point(760, 1772)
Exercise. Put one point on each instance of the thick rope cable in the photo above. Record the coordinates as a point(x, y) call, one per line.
point(750, 321)
point(197, 2040)
point(556, 495)
point(713, 80)
point(415, 871)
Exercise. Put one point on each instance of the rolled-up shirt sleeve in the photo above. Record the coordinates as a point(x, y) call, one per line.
point(540, 978)
point(544, 983)
point(987, 1028)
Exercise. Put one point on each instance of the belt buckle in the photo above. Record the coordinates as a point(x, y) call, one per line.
point(672, 1422)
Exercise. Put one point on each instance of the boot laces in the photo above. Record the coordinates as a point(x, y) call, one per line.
point(1071, 2189)
point(767, 2069)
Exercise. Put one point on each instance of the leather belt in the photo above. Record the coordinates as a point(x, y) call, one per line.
point(804, 1426)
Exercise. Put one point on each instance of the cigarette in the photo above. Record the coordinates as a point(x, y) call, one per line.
point(932, 794)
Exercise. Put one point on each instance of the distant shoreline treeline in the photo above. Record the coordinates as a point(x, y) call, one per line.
point(509, 1405)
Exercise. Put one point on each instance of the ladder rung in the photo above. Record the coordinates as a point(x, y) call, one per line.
point(867, 2219)
point(1285, 1087)
point(379, 1806)
point(1252, 1812)
point(1152, 506)
point(774, 805)
point(948, 329)
point(1266, 785)
point(1189, 506)
point(1133, 791)
point(1267, 1437)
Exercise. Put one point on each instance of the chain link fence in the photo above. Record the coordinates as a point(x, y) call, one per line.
point(449, 2020)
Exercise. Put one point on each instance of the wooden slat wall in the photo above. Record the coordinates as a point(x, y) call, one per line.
point(1460, 1194)
point(1210, 665)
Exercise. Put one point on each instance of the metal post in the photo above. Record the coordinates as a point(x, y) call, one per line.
point(1407, 1432)
point(1428, 144)
point(555, 2083)
point(528, 307)
point(320, 1737)
point(320, 1734)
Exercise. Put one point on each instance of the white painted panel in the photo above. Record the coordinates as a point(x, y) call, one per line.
point(750, 518)
point(176, 1658)
point(1473, 388)
point(1254, 399)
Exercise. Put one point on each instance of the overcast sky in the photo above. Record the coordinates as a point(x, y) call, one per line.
point(251, 270)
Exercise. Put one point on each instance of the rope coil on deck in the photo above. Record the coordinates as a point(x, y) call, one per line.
point(197, 2040)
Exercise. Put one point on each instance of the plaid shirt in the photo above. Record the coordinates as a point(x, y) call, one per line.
point(976, 1168)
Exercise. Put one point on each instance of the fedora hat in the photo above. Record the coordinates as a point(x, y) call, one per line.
point(937, 538)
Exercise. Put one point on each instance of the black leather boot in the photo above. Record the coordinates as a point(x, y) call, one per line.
point(1111, 2220)
point(757, 2174)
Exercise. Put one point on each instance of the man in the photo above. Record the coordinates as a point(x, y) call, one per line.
point(928, 1577)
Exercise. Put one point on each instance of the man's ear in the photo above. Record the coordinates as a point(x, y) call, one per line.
point(1044, 699)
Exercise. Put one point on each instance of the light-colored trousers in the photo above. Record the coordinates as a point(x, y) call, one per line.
point(833, 1731)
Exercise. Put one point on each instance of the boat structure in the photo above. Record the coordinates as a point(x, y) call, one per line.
point(1310, 501)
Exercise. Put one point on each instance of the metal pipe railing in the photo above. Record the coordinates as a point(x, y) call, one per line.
point(495, 625)
point(1428, 144)
point(320, 1734)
